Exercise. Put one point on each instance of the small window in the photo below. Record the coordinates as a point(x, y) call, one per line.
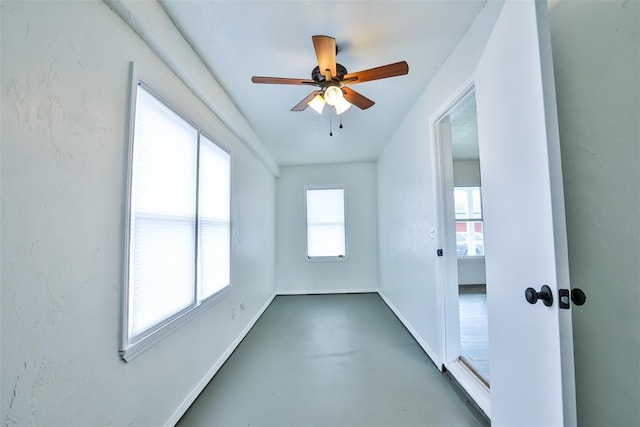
point(325, 219)
point(469, 224)
point(178, 228)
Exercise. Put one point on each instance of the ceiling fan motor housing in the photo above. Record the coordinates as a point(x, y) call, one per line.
point(319, 78)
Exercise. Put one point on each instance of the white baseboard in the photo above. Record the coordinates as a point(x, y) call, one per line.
point(432, 354)
point(325, 291)
point(216, 366)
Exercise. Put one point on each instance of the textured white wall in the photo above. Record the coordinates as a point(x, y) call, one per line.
point(406, 193)
point(596, 53)
point(64, 114)
point(359, 272)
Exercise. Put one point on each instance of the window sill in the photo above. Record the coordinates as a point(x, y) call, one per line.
point(130, 351)
point(327, 258)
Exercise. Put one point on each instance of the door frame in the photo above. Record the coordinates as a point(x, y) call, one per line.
point(447, 268)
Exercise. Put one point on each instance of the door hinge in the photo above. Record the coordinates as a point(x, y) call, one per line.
point(439, 252)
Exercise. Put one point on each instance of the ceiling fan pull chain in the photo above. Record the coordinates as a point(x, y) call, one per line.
point(330, 124)
point(341, 121)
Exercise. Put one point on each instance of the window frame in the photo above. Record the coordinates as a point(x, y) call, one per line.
point(480, 219)
point(132, 346)
point(306, 229)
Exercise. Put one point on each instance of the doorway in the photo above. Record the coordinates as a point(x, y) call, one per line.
point(463, 278)
point(469, 232)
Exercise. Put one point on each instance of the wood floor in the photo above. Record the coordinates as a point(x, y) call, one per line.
point(474, 331)
point(329, 360)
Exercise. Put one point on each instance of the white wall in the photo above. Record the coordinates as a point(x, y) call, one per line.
point(471, 271)
point(596, 53)
point(406, 193)
point(359, 272)
point(466, 173)
point(64, 110)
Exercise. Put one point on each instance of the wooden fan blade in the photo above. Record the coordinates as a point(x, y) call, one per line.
point(281, 81)
point(390, 70)
point(360, 101)
point(325, 47)
point(302, 105)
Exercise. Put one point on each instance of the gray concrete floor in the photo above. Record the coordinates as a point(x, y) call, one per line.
point(329, 360)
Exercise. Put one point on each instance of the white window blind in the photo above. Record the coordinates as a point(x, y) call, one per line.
point(163, 215)
point(325, 222)
point(214, 218)
point(179, 232)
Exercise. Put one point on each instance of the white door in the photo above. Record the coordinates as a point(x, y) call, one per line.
point(531, 355)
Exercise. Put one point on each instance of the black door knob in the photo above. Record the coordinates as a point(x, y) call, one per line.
point(578, 297)
point(532, 296)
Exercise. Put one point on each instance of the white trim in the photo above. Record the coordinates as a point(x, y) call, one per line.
point(447, 272)
point(472, 385)
point(126, 235)
point(188, 401)
point(326, 291)
point(432, 354)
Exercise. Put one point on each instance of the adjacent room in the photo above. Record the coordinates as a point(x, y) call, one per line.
point(308, 213)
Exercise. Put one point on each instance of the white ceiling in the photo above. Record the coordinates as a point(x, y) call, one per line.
point(239, 39)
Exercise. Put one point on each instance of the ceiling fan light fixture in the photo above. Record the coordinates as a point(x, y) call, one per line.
point(317, 103)
point(333, 95)
point(342, 105)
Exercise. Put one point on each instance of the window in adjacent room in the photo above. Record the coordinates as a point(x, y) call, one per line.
point(469, 225)
point(178, 229)
point(325, 222)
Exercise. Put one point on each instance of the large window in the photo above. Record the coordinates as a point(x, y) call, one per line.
point(469, 225)
point(178, 228)
point(325, 219)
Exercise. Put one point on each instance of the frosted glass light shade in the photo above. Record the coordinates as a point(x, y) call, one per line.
point(317, 103)
point(342, 105)
point(333, 95)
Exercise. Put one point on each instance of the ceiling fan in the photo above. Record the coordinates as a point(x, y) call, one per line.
point(332, 79)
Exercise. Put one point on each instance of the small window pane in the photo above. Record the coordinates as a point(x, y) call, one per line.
point(214, 218)
point(163, 271)
point(469, 238)
point(461, 203)
point(164, 170)
point(325, 223)
point(467, 203)
point(477, 203)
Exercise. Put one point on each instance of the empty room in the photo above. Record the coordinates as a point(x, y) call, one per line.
point(320, 213)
